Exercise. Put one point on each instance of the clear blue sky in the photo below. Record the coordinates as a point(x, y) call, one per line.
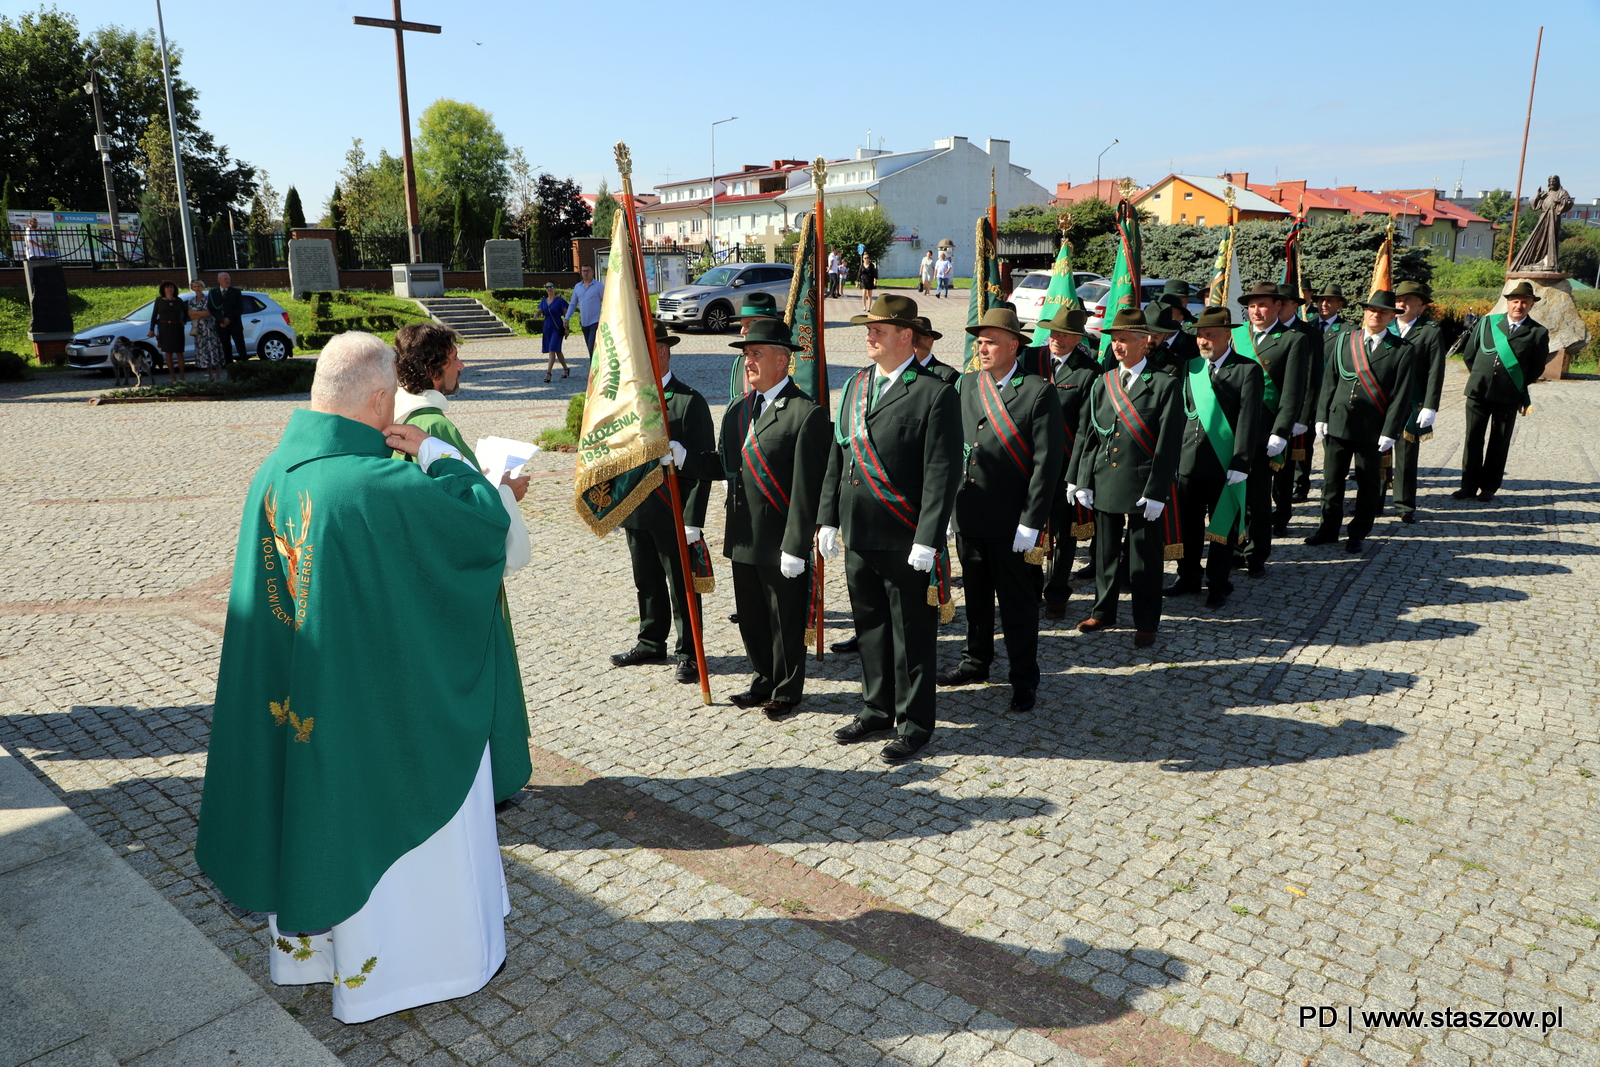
point(1378, 95)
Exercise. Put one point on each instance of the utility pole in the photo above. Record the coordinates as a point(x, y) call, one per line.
point(177, 156)
point(102, 144)
point(400, 26)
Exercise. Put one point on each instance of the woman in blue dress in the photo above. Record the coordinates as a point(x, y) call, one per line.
point(554, 309)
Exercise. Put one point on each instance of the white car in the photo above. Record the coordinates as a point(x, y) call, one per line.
point(1028, 290)
point(1094, 296)
point(267, 333)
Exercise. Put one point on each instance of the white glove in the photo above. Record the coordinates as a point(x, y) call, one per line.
point(1425, 417)
point(1024, 539)
point(691, 534)
point(791, 566)
point(949, 529)
point(675, 456)
point(1384, 444)
point(1322, 430)
point(828, 541)
point(1152, 508)
point(1235, 477)
point(727, 486)
point(1299, 428)
point(921, 558)
point(1275, 446)
point(1072, 492)
point(1084, 497)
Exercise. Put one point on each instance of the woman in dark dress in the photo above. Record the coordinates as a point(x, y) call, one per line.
point(169, 322)
point(868, 280)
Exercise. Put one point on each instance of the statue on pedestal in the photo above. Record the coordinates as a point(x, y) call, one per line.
point(1539, 252)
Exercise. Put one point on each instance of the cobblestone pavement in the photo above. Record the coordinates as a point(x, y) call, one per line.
point(1369, 783)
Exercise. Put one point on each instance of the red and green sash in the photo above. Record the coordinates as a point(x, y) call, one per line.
point(1364, 374)
point(851, 432)
point(755, 460)
point(1493, 329)
point(1122, 404)
point(1016, 446)
point(1228, 515)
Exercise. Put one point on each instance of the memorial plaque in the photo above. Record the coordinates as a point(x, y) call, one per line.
point(413, 280)
point(502, 264)
point(311, 266)
point(49, 304)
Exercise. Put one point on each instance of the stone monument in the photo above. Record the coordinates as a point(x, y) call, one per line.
point(1538, 261)
point(413, 280)
point(49, 309)
point(312, 268)
point(502, 264)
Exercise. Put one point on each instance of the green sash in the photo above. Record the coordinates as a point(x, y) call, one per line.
point(1495, 327)
point(1245, 345)
point(1226, 516)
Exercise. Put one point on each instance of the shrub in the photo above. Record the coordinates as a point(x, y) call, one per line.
point(244, 380)
point(566, 435)
point(13, 368)
point(1467, 274)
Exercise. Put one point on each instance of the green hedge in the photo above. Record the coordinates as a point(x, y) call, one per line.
point(244, 379)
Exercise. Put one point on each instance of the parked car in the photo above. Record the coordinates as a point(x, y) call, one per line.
point(1029, 286)
point(712, 302)
point(267, 333)
point(1149, 289)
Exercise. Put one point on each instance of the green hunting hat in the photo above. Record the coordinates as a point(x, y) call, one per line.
point(665, 338)
point(759, 306)
point(1178, 302)
point(1381, 300)
point(1129, 320)
point(1523, 288)
point(1287, 292)
point(999, 319)
point(893, 310)
point(1215, 319)
point(925, 328)
point(1067, 320)
point(1176, 287)
point(766, 331)
point(1417, 289)
point(1335, 290)
point(1260, 291)
point(1159, 318)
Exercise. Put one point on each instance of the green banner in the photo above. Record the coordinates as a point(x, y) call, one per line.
point(1125, 276)
point(808, 366)
point(985, 292)
point(1063, 292)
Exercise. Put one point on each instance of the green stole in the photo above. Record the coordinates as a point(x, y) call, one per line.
point(1494, 326)
point(1226, 516)
point(1245, 345)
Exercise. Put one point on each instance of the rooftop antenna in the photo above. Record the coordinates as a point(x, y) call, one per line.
point(1460, 178)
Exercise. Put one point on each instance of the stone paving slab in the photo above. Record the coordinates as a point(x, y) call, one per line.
point(1367, 783)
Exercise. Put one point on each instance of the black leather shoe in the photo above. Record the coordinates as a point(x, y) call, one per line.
point(852, 645)
point(778, 710)
point(634, 658)
point(1023, 699)
point(1300, 496)
point(1322, 537)
point(855, 730)
point(1281, 530)
point(1180, 589)
point(899, 750)
point(734, 618)
point(687, 673)
point(1257, 571)
point(746, 700)
point(1217, 597)
point(1055, 610)
point(962, 676)
point(1086, 571)
point(1463, 494)
point(1408, 516)
point(1485, 496)
point(1353, 546)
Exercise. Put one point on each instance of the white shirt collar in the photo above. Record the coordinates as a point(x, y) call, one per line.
point(1136, 370)
point(772, 394)
point(1405, 327)
point(892, 375)
point(1217, 363)
point(665, 378)
point(1513, 324)
point(1002, 382)
point(405, 403)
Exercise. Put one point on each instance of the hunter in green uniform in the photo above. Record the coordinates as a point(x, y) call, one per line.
point(774, 454)
point(1363, 409)
point(1131, 437)
point(1073, 368)
point(1173, 348)
point(1284, 355)
point(922, 344)
point(1222, 399)
point(1324, 321)
point(891, 485)
point(1504, 354)
point(1013, 436)
point(1427, 346)
point(653, 542)
point(752, 309)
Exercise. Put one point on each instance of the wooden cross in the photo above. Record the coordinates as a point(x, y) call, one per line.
point(771, 242)
point(400, 26)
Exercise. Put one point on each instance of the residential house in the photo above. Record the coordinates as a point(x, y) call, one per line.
point(1106, 189)
point(1423, 217)
point(1178, 199)
point(746, 203)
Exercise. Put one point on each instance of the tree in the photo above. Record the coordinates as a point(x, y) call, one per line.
point(158, 203)
point(1032, 218)
point(1578, 258)
point(460, 150)
point(605, 211)
point(266, 212)
point(294, 215)
point(522, 192)
point(846, 227)
point(1496, 206)
point(563, 213)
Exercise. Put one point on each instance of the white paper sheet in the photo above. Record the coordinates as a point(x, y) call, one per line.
point(499, 455)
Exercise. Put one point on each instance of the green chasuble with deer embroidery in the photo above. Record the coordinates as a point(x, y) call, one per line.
point(363, 671)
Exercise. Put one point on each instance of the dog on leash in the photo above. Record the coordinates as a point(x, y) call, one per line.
point(129, 361)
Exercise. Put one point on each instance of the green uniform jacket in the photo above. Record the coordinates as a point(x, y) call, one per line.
point(996, 495)
point(1427, 353)
point(1286, 356)
point(1110, 463)
point(1176, 352)
point(793, 434)
point(1308, 410)
point(1488, 381)
point(945, 371)
point(1238, 388)
point(1345, 406)
point(689, 424)
point(1072, 381)
point(916, 428)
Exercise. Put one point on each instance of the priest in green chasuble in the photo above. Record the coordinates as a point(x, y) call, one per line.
point(368, 713)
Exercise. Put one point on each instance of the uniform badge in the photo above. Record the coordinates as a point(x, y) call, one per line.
point(1017, 380)
point(1145, 377)
point(909, 376)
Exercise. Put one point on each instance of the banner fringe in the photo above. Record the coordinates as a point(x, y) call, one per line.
point(947, 611)
point(1297, 454)
point(1173, 551)
point(1081, 530)
point(1036, 555)
point(614, 466)
point(704, 586)
point(811, 636)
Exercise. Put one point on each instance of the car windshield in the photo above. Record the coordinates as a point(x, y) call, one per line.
point(1092, 291)
point(142, 314)
point(1035, 281)
point(718, 276)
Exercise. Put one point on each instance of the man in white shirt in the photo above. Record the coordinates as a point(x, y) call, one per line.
point(586, 296)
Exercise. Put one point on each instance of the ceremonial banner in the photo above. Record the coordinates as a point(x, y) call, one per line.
point(985, 292)
point(1383, 266)
point(805, 320)
point(623, 434)
point(1125, 276)
point(1290, 275)
point(1063, 292)
point(1225, 288)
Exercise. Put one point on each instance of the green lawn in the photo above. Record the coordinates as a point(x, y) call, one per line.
point(912, 283)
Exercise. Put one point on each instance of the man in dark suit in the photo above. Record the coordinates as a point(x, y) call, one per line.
point(1222, 399)
point(227, 306)
point(923, 345)
point(1172, 348)
point(1362, 410)
point(774, 454)
point(1073, 368)
point(1323, 323)
point(1013, 436)
point(1284, 355)
point(1504, 355)
point(1123, 467)
point(1421, 333)
point(652, 539)
point(891, 484)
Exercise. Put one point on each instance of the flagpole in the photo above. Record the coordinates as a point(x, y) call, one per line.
point(819, 172)
point(1516, 206)
point(625, 167)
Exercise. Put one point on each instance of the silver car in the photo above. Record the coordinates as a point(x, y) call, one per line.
point(712, 302)
point(267, 333)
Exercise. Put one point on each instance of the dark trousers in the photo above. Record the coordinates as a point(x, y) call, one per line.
point(1260, 492)
point(1058, 589)
point(588, 335)
point(1337, 454)
point(1146, 546)
point(1405, 475)
point(1197, 499)
point(233, 333)
point(655, 556)
point(899, 631)
point(990, 571)
point(1483, 469)
point(772, 623)
point(1302, 471)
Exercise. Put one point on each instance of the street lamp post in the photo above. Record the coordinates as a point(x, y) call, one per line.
point(177, 157)
point(714, 126)
point(1097, 159)
point(102, 144)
